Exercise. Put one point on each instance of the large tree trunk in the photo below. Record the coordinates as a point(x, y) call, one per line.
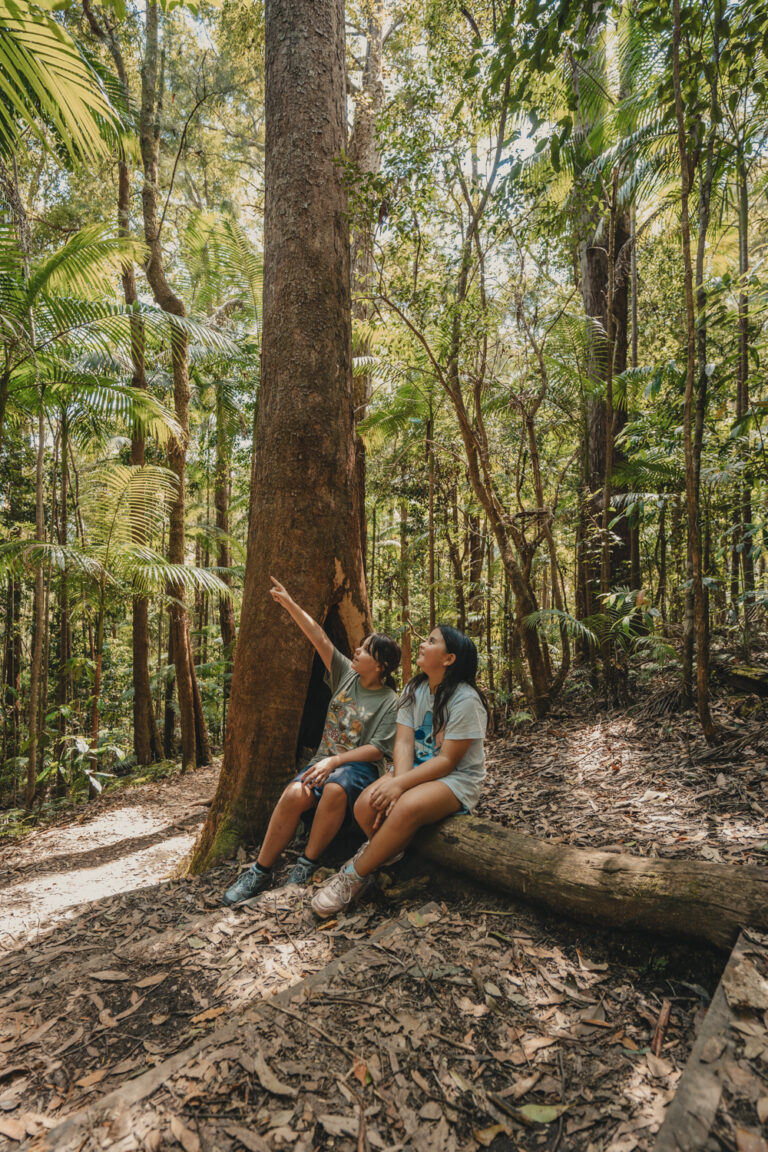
point(365, 155)
point(194, 738)
point(691, 899)
point(303, 524)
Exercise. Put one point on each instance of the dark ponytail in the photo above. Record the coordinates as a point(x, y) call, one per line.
point(385, 652)
point(463, 670)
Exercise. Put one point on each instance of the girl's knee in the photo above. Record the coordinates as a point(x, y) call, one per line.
point(295, 795)
point(363, 809)
point(333, 795)
point(409, 811)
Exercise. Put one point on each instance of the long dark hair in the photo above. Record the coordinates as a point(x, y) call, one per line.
point(463, 670)
point(385, 652)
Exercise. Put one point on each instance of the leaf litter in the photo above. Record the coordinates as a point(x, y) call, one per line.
point(478, 1024)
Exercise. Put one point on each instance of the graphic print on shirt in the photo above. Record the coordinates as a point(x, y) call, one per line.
point(424, 745)
point(343, 725)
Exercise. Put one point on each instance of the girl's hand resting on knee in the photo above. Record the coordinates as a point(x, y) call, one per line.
point(384, 793)
point(381, 815)
point(317, 774)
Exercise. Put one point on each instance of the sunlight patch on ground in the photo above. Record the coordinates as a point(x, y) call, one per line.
point(32, 905)
point(109, 828)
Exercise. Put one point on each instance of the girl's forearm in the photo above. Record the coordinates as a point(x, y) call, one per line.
point(312, 630)
point(366, 753)
point(432, 769)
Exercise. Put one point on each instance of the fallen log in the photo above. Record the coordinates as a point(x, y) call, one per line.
point(686, 899)
point(742, 677)
point(719, 1075)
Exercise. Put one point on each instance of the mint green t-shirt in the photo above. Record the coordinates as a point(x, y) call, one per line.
point(356, 715)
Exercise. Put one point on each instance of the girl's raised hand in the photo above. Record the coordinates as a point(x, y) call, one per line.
point(279, 594)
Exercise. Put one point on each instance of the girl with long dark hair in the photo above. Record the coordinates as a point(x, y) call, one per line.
point(439, 763)
point(358, 737)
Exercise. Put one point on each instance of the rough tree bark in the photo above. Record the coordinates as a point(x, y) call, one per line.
point(303, 524)
point(691, 899)
point(365, 156)
point(694, 403)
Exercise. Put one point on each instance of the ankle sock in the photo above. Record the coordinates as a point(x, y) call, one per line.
point(261, 869)
point(350, 868)
point(304, 859)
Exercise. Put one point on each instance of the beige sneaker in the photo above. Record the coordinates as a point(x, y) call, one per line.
point(338, 893)
point(398, 856)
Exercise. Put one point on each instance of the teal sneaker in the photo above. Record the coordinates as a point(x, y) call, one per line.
point(248, 884)
point(302, 871)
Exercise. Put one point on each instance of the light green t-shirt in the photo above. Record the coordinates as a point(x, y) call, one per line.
point(356, 715)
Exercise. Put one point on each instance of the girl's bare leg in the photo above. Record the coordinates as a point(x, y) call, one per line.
point(329, 817)
point(294, 802)
point(365, 813)
point(425, 804)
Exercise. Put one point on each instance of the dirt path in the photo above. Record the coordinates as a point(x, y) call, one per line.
point(129, 839)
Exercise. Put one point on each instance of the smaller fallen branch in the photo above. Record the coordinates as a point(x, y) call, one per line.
point(687, 899)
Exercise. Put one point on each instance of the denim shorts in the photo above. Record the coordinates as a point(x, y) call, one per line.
point(353, 778)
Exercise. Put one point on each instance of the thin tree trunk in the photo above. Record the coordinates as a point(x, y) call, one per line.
point(193, 732)
point(489, 620)
point(744, 497)
point(169, 712)
point(38, 607)
point(221, 504)
point(38, 611)
point(692, 411)
point(431, 525)
point(405, 600)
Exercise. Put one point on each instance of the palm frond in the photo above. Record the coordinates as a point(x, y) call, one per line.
point(86, 266)
point(46, 80)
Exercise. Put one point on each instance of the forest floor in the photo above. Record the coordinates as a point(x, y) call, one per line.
point(434, 1016)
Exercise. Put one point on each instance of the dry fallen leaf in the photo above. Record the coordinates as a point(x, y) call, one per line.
point(250, 1140)
point(431, 1111)
point(748, 1140)
point(268, 1079)
point(470, 1009)
point(151, 981)
point(360, 1072)
point(209, 1014)
point(744, 986)
point(657, 1066)
point(92, 1078)
point(12, 1128)
point(486, 1136)
point(188, 1139)
point(339, 1125)
point(110, 976)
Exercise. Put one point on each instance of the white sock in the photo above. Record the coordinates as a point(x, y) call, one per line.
point(350, 868)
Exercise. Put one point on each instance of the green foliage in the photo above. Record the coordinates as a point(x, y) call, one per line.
point(47, 82)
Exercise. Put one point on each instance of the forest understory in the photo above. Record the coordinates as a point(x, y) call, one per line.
point(456, 1018)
